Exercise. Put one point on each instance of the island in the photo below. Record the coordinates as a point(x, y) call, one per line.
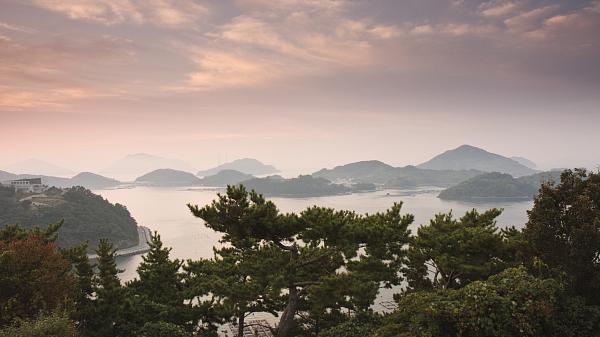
point(168, 177)
point(300, 187)
point(496, 185)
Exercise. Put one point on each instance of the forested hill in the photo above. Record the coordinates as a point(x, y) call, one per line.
point(303, 186)
point(87, 216)
point(499, 186)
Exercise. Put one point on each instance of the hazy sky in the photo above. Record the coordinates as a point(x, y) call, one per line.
point(301, 84)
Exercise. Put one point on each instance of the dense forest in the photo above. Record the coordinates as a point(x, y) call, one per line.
point(85, 215)
point(319, 272)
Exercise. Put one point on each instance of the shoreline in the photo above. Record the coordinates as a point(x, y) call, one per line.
point(142, 247)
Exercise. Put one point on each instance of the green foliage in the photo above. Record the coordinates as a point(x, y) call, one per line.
point(308, 255)
point(52, 325)
point(158, 294)
point(361, 325)
point(450, 253)
point(511, 303)
point(87, 217)
point(109, 303)
point(162, 329)
point(564, 230)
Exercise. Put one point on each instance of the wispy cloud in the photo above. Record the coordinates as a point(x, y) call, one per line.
point(170, 13)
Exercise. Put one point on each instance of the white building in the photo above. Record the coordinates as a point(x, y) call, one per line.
point(33, 185)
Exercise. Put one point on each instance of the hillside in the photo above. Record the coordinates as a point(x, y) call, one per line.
point(387, 176)
point(497, 185)
point(93, 181)
point(224, 178)
point(6, 175)
point(525, 162)
point(468, 157)
point(303, 186)
point(245, 165)
point(87, 216)
point(168, 177)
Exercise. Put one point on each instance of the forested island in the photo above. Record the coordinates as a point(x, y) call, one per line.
point(319, 271)
point(87, 216)
point(302, 186)
point(499, 186)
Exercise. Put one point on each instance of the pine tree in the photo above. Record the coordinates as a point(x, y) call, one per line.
point(108, 306)
point(158, 294)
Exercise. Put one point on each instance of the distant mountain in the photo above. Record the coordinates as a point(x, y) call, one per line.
point(525, 162)
point(36, 166)
point(168, 177)
point(301, 187)
point(246, 165)
point(497, 185)
point(134, 165)
point(467, 157)
point(6, 176)
point(93, 181)
point(224, 178)
point(387, 176)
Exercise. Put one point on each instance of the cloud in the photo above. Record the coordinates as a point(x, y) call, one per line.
point(169, 13)
point(221, 69)
point(292, 38)
point(16, 28)
point(529, 20)
point(497, 9)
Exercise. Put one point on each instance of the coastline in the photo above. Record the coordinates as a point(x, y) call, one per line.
point(142, 247)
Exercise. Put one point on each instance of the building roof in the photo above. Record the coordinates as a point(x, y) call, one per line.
point(31, 181)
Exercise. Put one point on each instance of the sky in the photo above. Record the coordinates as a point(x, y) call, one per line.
point(301, 84)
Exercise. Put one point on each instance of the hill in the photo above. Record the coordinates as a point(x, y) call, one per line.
point(224, 178)
point(497, 185)
point(168, 177)
point(39, 167)
point(303, 186)
point(372, 171)
point(387, 176)
point(245, 165)
point(525, 162)
point(468, 157)
point(93, 181)
point(6, 176)
point(134, 165)
point(87, 216)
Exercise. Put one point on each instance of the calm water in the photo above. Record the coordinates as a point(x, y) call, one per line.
point(165, 210)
